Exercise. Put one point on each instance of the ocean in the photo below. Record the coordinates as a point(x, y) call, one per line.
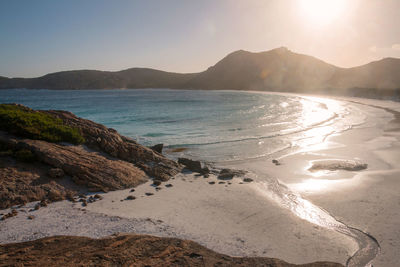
point(213, 126)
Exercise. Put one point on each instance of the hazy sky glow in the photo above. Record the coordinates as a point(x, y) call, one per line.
point(42, 36)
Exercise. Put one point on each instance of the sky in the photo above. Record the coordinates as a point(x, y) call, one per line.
point(44, 36)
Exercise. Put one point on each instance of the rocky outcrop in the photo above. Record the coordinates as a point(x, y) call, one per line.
point(88, 168)
point(126, 250)
point(106, 161)
point(107, 140)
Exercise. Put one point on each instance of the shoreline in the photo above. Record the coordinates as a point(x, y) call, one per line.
point(259, 221)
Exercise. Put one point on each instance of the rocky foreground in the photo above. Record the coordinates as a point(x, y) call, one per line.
point(125, 250)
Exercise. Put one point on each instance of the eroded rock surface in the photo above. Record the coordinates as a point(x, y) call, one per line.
point(101, 138)
point(126, 250)
point(21, 183)
point(88, 168)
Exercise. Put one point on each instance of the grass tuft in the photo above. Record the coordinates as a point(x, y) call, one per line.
point(27, 123)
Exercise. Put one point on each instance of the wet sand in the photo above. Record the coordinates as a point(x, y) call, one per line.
point(367, 200)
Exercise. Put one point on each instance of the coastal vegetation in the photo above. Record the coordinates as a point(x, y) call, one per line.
point(27, 123)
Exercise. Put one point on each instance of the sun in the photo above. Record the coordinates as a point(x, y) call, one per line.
point(321, 12)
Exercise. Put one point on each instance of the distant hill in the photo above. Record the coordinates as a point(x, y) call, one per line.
point(94, 79)
point(275, 70)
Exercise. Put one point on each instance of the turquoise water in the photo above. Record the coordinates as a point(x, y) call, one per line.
point(216, 126)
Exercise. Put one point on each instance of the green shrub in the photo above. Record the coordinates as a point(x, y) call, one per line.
point(24, 122)
point(25, 155)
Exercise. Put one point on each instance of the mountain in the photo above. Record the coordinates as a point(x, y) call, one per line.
point(276, 70)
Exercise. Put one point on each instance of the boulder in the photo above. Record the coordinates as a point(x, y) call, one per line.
point(156, 182)
point(157, 148)
point(227, 174)
point(205, 171)
point(276, 162)
point(192, 165)
point(54, 195)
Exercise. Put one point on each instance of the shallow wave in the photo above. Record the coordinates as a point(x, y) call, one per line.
point(273, 135)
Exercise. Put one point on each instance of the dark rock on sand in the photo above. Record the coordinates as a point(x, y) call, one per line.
point(12, 213)
point(157, 182)
point(168, 185)
point(31, 217)
point(126, 250)
point(276, 162)
point(157, 148)
point(192, 165)
point(212, 182)
point(205, 170)
point(247, 180)
point(130, 197)
point(149, 194)
point(227, 174)
point(92, 199)
point(334, 165)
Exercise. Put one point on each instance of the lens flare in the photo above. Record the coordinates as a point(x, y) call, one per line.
point(321, 12)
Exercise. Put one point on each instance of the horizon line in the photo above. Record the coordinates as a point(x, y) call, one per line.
point(149, 68)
